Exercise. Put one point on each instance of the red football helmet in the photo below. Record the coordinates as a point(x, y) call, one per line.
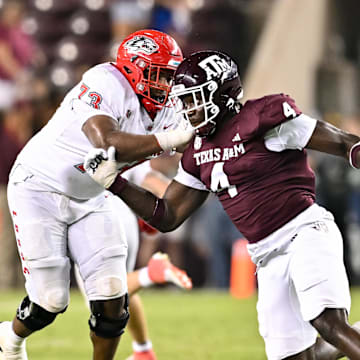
point(142, 57)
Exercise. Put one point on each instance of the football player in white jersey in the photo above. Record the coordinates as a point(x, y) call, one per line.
point(60, 212)
point(159, 269)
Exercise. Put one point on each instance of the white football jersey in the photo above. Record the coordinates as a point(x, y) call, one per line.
point(55, 155)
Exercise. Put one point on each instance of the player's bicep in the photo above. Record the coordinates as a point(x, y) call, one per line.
point(97, 129)
point(182, 201)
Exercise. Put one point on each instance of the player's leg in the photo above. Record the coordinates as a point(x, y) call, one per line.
point(142, 345)
point(137, 324)
point(325, 351)
point(321, 283)
point(97, 245)
point(107, 323)
point(40, 239)
point(104, 347)
point(159, 270)
point(322, 350)
point(285, 333)
point(333, 326)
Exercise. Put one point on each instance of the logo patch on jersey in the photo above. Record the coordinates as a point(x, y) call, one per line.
point(141, 43)
point(80, 167)
point(214, 67)
point(197, 143)
point(236, 138)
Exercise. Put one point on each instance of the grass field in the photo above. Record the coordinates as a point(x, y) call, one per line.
point(199, 325)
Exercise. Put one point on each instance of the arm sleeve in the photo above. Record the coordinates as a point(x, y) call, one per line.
point(293, 134)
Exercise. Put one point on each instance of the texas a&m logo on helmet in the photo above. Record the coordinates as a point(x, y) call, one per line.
point(141, 43)
point(215, 67)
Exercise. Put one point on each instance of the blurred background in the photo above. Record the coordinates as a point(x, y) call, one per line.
point(308, 49)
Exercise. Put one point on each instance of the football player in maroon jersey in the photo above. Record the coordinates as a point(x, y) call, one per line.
point(253, 157)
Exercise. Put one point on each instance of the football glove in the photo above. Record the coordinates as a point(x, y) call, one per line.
point(174, 139)
point(101, 165)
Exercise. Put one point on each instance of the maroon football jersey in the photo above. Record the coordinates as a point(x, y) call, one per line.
point(260, 190)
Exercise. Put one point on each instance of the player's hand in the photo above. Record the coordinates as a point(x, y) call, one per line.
point(101, 165)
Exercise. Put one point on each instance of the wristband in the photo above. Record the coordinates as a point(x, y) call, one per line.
point(352, 155)
point(118, 186)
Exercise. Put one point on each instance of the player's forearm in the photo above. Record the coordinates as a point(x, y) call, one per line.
point(332, 140)
point(103, 132)
point(131, 147)
point(145, 204)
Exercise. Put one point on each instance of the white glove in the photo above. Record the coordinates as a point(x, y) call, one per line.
point(174, 138)
point(102, 166)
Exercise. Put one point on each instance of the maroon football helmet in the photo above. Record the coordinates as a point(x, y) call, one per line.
point(213, 81)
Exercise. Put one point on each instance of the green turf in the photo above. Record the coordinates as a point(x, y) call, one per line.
point(199, 325)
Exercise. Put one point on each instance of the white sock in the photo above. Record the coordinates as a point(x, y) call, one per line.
point(146, 346)
point(144, 278)
point(13, 338)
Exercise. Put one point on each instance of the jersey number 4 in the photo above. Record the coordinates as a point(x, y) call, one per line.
point(95, 98)
point(220, 181)
point(288, 111)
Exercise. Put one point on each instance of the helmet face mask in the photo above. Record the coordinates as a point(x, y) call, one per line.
point(207, 83)
point(148, 59)
point(152, 85)
point(197, 99)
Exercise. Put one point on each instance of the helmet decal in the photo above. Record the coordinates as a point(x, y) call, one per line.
point(141, 43)
point(215, 67)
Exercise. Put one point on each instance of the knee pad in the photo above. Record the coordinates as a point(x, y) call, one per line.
point(104, 325)
point(55, 300)
point(33, 316)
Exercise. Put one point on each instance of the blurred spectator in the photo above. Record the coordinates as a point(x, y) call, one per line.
point(18, 121)
point(17, 51)
point(172, 17)
point(128, 16)
point(10, 269)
